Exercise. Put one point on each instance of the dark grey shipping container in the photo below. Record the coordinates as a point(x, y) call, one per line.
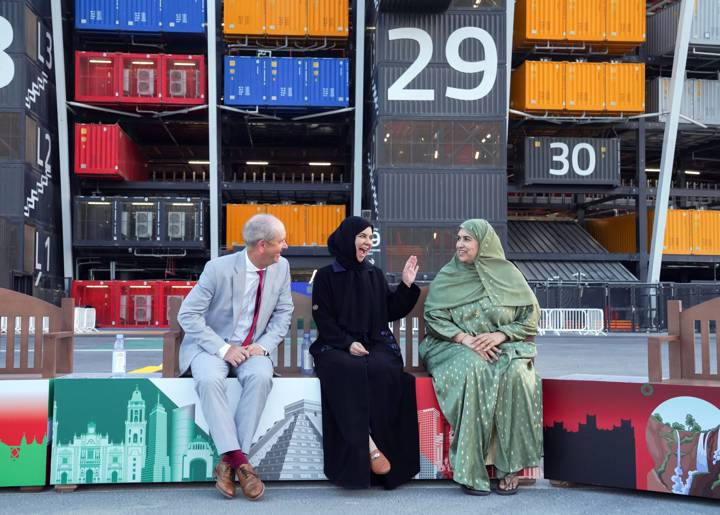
point(28, 141)
point(434, 6)
point(555, 160)
point(31, 35)
point(440, 27)
point(28, 193)
point(30, 257)
point(439, 143)
point(433, 244)
point(438, 78)
point(441, 196)
point(31, 90)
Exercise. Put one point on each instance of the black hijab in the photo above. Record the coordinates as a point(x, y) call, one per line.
point(363, 305)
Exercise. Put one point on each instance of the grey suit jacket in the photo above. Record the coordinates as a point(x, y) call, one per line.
point(210, 312)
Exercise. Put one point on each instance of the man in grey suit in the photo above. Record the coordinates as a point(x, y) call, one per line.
point(234, 317)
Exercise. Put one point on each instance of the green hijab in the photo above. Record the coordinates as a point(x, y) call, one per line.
point(458, 284)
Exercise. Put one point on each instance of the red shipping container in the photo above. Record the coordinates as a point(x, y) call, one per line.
point(140, 78)
point(96, 77)
point(165, 291)
point(98, 295)
point(134, 301)
point(105, 151)
point(183, 79)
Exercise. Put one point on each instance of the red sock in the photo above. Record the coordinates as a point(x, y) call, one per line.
point(235, 458)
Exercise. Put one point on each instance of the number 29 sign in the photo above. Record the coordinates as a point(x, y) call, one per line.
point(449, 64)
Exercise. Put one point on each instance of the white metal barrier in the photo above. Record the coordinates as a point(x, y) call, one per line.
point(584, 321)
point(84, 321)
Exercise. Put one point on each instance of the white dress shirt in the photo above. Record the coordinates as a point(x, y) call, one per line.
point(252, 278)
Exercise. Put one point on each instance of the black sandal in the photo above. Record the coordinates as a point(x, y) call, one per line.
point(471, 491)
point(507, 491)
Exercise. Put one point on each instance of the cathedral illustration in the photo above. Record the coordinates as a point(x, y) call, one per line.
point(151, 451)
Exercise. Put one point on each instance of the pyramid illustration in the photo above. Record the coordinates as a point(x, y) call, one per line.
point(292, 447)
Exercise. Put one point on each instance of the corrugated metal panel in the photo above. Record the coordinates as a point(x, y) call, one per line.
point(442, 196)
point(183, 16)
point(140, 15)
point(329, 18)
point(420, 6)
point(626, 21)
point(625, 87)
point(96, 77)
point(585, 20)
point(569, 271)
point(235, 218)
point(244, 81)
point(27, 193)
point(583, 161)
point(658, 98)
point(538, 21)
point(286, 17)
point(439, 27)
point(244, 17)
point(707, 101)
point(678, 231)
point(25, 140)
point(328, 82)
point(538, 86)
point(30, 89)
point(440, 143)
point(705, 30)
point(10, 250)
point(551, 237)
point(97, 15)
point(705, 233)
point(285, 81)
point(438, 78)
point(585, 87)
point(31, 35)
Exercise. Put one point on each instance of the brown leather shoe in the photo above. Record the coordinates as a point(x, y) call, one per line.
point(223, 475)
point(250, 484)
point(379, 464)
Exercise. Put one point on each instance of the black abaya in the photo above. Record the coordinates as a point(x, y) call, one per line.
point(364, 395)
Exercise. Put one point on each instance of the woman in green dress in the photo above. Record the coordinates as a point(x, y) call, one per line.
point(481, 317)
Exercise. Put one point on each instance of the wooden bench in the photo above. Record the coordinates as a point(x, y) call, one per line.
point(681, 345)
point(52, 351)
point(288, 365)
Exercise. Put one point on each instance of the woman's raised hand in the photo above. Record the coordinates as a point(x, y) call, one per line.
point(410, 271)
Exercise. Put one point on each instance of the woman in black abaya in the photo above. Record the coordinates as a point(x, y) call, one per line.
point(369, 411)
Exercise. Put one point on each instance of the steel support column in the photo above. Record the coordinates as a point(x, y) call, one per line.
point(641, 203)
point(677, 83)
point(213, 133)
point(357, 179)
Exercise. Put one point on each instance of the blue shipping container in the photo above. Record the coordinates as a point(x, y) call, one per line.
point(285, 81)
point(328, 82)
point(183, 15)
point(140, 15)
point(96, 14)
point(244, 81)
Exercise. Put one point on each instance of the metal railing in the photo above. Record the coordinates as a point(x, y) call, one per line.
point(571, 321)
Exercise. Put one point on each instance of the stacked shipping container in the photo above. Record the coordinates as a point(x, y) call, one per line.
point(704, 32)
point(141, 15)
point(306, 225)
point(106, 151)
point(700, 101)
point(121, 78)
point(286, 81)
point(28, 154)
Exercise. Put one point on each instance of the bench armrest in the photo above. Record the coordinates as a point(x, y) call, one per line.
point(58, 358)
point(171, 351)
point(655, 357)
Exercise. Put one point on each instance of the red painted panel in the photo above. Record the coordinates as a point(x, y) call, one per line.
point(106, 151)
point(96, 77)
point(184, 79)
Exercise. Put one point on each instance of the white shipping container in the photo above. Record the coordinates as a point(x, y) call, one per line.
point(658, 98)
point(705, 30)
point(707, 101)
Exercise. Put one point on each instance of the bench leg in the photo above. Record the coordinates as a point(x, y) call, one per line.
point(65, 488)
point(558, 483)
point(31, 488)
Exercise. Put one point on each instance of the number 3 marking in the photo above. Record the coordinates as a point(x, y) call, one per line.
point(7, 67)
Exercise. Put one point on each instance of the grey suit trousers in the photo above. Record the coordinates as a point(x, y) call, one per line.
point(232, 427)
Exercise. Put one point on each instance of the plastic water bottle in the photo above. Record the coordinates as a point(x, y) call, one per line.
point(306, 361)
point(118, 356)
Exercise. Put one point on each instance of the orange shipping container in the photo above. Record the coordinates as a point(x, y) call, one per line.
point(705, 233)
point(539, 20)
point(244, 17)
point(625, 87)
point(586, 20)
point(538, 86)
point(625, 21)
point(286, 17)
point(293, 217)
point(585, 86)
point(321, 222)
point(236, 216)
point(329, 18)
